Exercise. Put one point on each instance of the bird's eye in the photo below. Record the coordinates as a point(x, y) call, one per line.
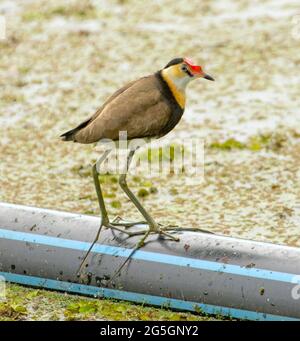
point(184, 68)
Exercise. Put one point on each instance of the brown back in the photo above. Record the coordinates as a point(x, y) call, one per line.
point(138, 108)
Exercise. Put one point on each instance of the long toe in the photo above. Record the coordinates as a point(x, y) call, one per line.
point(169, 235)
point(128, 224)
point(124, 230)
point(183, 229)
point(119, 221)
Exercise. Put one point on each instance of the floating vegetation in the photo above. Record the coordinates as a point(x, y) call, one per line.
point(116, 204)
point(143, 192)
point(52, 78)
point(254, 143)
point(79, 10)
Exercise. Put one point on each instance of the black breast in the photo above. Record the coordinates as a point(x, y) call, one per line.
point(176, 110)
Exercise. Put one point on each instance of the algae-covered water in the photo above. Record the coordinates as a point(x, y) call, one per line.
point(59, 62)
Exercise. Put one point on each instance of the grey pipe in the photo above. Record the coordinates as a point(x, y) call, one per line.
point(209, 273)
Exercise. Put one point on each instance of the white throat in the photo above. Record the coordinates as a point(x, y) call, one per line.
point(179, 82)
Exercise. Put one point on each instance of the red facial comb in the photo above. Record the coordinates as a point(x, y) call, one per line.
point(192, 65)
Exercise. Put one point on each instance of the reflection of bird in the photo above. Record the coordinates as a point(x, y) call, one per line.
point(149, 107)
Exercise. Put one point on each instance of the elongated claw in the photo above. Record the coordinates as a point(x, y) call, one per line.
point(144, 232)
point(178, 228)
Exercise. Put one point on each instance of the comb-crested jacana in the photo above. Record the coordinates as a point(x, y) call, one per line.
point(149, 107)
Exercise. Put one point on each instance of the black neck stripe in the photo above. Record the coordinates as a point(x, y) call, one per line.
point(176, 110)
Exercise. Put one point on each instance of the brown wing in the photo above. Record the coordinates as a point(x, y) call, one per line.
point(140, 110)
point(70, 135)
point(111, 98)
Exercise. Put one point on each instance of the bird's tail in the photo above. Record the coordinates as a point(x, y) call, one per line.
point(70, 135)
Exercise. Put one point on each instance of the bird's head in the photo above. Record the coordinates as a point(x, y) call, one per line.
point(178, 73)
point(184, 70)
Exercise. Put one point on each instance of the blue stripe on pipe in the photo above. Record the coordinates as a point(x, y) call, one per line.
point(142, 298)
point(149, 256)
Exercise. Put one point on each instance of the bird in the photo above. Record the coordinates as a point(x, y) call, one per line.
point(148, 108)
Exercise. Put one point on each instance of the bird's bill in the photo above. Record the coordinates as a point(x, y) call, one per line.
point(206, 76)
point(197, 70)
point(201, 74)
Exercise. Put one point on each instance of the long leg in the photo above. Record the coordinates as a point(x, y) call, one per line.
point(153, 226)
point(104, 215)
point(132, 197)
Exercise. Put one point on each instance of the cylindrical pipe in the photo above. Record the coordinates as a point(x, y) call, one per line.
point(203, 272)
